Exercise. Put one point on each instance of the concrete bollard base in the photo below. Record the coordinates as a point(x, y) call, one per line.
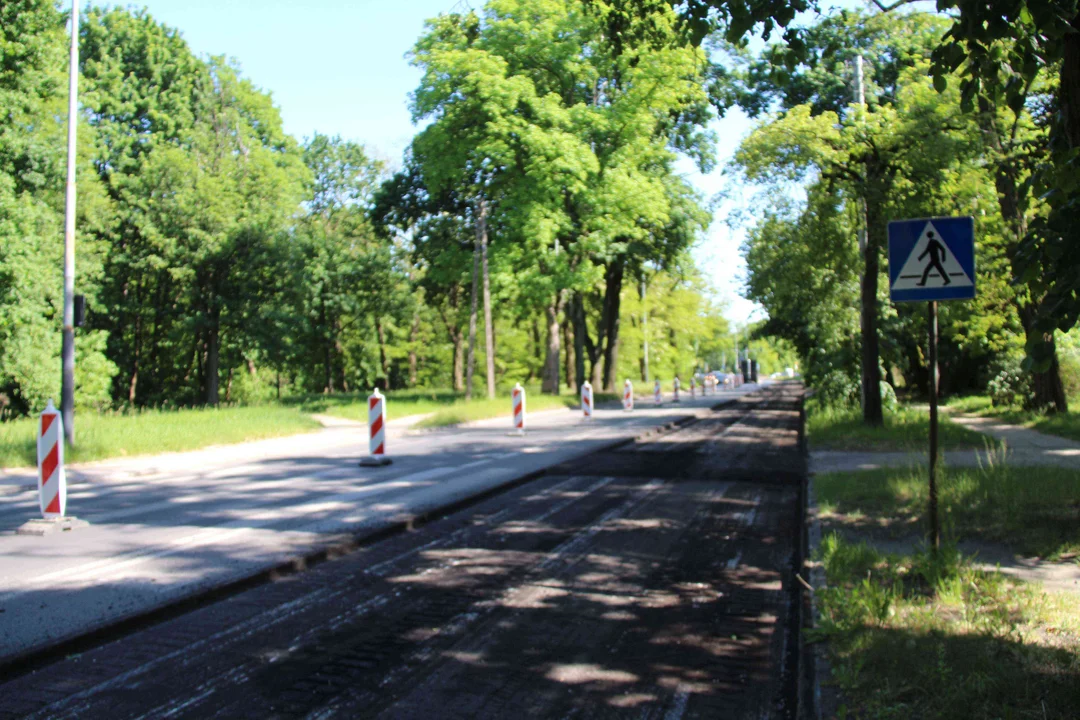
point(375, 461)
point(48, 526)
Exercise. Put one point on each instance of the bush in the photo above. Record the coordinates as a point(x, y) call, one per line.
point(838, 389)
point(1010, 386)
point(888, 396)
point(1069, 358)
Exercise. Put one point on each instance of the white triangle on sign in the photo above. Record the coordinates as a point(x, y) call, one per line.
point(931, 266)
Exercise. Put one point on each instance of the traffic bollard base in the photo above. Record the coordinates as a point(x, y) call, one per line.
point(375, 461)
point(48, 526)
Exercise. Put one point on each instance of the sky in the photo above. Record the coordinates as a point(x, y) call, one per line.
point(339, 68)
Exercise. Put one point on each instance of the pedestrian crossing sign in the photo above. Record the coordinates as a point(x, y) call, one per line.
point(932, 259)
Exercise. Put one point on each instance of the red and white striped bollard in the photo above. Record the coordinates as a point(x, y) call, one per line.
point(52, 480)
point(517, 396)
point(628, 395)
point(376, 431)
point(586, 400)
point(52, 483)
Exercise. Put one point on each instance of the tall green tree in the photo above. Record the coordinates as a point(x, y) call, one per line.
point(32, 127)
point(572, 145)
point(906, 135)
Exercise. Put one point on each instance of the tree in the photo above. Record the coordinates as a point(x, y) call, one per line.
point(347, 276)
point(572, 145)
point(32, 98)
point(906, 134)
point(202, 183)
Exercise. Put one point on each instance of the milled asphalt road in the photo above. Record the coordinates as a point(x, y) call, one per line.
point(169, 527)
point(656, 580)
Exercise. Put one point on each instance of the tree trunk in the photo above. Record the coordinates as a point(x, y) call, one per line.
point(489, 330)
point(458, 338)
point(134, 382)
point(328, 370)
point(414, 333)
point(871, 375)
point(384, 364)
point(578, 312)
point(213, 348)
point(550, 383)
point(1047, 385)
point(471, 365)
point(1069, 88)
point(612, 305)
point(568, 352)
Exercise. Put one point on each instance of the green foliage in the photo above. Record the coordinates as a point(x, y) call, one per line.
point(840, 427)
point(1034, 510)
point(223, 261)
point(910, 153)
point(1010, 386)
point(928, 635)
point(150, 432)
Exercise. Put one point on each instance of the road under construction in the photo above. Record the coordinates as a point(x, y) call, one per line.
point(651, 577)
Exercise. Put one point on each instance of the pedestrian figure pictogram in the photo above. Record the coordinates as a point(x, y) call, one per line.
point(937, 253)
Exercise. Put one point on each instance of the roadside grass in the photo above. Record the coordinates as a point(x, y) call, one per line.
point(906, 429)
point(463, 412)
point(148, 432)
point(1066, 425)
point(399, 403)
point(111, 435)
point(914, 636)
point(482, 409)
point(1034, 510)
point(444, 407)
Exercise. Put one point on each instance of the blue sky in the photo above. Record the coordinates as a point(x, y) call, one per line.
point(340, 68)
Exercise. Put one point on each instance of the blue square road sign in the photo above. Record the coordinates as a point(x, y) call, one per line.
point(932, 259)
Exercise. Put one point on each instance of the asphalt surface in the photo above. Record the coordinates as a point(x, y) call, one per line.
point(654, 580)
point(169, 527)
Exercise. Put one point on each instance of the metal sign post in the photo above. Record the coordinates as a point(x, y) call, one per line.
point(930, 260)
point(935, 535)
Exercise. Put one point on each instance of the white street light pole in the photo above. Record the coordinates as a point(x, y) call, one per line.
point(67, 391)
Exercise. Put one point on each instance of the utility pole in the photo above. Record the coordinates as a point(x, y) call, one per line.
point(67, 388)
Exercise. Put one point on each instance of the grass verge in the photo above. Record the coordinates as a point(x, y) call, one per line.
point(155, 431)
point(150, 432)
point(1066, 425)
point(399, 403)
point(1034, 510)
point(444, 407)
point(483, 409)
point(906, 429)
point(914, 636)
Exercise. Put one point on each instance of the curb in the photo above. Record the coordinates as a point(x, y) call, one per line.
point(336, 546)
